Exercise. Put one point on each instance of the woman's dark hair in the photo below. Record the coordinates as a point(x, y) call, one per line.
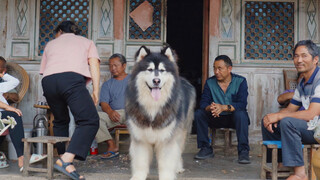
point(120, 56)
point(225, 58)
point(68, 27)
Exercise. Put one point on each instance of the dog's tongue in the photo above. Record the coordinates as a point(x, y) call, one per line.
point(155, 93)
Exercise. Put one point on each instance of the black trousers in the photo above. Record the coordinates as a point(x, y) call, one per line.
point(238, 120)
point(69, 89)
point(16, 134)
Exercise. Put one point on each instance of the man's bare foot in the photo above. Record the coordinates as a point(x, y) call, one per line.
point(20, 161)
point(297, 177)
point(112, 150)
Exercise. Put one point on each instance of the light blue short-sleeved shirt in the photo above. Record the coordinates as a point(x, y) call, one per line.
point(113, 92)
point(309, 92)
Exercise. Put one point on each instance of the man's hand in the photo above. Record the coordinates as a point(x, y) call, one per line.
point(269, 120)
point(114, 116)
point(10, 108)
point(2, 74)
point(216, 109)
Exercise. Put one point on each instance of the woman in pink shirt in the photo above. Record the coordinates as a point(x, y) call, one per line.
point(68, 63)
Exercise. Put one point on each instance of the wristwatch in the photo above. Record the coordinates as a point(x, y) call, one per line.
point(229, 107)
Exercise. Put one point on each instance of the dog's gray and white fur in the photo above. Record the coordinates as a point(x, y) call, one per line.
point(159, 112)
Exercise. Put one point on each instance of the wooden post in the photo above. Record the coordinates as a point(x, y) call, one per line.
point(26, 156)
point(117, 134)
point(50, 160)
point(263, 162)
point(274, 163)
point(205, 49)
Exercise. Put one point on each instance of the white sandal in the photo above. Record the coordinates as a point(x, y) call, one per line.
point(36, 158)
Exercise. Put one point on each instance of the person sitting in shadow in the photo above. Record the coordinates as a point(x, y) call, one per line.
point(7, 96)
point(285, 98)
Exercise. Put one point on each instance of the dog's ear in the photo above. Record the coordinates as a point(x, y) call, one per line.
point(141, 53)
point(167, 51)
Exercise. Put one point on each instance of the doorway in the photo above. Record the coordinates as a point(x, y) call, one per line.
point(184, 35)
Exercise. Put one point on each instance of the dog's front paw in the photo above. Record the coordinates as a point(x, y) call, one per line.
point(135, 178)
point(180, 170)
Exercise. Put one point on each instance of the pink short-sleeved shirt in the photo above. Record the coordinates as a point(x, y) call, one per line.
point(68, 53)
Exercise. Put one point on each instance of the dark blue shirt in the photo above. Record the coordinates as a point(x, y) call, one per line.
point(236, 94)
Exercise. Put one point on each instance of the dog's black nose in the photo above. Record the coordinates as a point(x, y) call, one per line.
point(156, 81)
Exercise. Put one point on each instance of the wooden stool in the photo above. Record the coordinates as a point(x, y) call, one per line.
point(50, 141)
point(121, 129)
point(275, 145)
point(311, 150)
point(227, 138)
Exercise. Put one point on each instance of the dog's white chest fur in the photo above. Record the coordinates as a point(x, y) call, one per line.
point(150, 135)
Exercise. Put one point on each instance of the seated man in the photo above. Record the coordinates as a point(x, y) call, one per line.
point(223, 105)
point(290, 125)
point(112, 102)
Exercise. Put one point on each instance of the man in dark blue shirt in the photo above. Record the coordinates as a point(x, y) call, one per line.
point(223, 105)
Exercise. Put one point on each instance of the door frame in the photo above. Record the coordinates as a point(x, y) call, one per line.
point(205, 43)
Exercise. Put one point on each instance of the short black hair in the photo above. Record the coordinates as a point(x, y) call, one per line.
point(121, 57)
point(68, 27)
point(311, 46)
point(225, 58)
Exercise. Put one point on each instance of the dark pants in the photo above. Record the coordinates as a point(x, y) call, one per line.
point(16, 134)
point(69, 89)
point(238, 120)
point(292, 133)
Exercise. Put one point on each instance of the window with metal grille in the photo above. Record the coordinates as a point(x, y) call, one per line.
point(269, 30)
point(52, 13)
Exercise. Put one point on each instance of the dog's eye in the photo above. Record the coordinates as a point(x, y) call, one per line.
point(150, 70)
point(161, 70)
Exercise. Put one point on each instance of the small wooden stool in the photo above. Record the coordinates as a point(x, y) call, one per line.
point(275, 145)
point(311, 150)
point(120, 129)
point(50, 141)
point(227, 138)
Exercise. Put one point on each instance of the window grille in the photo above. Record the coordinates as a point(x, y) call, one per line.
point(269, 30)
point(52, 13)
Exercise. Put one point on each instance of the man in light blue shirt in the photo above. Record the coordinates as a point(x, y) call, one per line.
point(290, 125)
point(112, 102)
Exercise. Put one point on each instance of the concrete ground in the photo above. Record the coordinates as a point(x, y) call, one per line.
point(220, 167)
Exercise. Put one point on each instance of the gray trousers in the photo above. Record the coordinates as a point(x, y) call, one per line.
point(292, 133)
point(103, 133)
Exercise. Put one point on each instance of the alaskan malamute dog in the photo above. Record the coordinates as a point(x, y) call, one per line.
point(159, 111)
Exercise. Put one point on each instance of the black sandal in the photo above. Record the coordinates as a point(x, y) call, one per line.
point(73, 175)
